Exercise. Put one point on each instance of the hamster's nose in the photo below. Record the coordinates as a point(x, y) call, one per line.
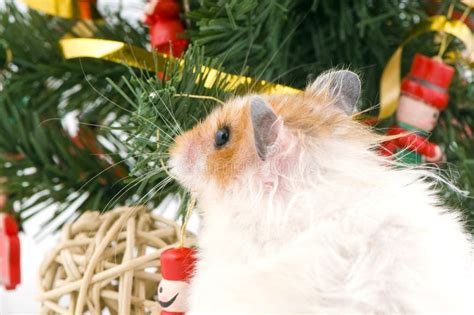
point(183, 155)
point(190, 152)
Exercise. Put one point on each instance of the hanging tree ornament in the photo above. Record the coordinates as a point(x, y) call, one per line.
point(177, 266)
point(10, 275)
point(424, 94)
point(166, 28)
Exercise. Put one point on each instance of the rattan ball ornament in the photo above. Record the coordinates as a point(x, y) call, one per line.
point(108, 262)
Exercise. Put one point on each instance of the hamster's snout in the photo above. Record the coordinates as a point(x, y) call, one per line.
point(183, 156)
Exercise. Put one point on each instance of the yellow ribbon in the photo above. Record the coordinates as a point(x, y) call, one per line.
point(61, 8)
point(390, 80)
point(120, 52)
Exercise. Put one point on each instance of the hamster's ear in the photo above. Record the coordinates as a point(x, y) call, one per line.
point(343, 86)
point(264, 123)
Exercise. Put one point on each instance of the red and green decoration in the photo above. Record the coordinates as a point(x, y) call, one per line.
point(166, 27)
point(177, 265)
point(10, 275)
point(424, 94)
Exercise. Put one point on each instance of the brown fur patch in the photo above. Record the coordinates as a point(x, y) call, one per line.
point(307, 114)
point(225, 163)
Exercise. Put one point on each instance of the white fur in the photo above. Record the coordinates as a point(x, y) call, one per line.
point(324, 226)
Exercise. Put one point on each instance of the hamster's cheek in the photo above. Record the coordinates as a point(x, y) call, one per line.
point(188, 173)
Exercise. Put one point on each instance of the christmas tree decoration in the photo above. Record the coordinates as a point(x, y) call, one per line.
point(136, 57)
point(177, 266)
point(70, 9)
point(166, 27)
point(108, 262)
point(390, 79)
point(10, 274)
point(424, 96)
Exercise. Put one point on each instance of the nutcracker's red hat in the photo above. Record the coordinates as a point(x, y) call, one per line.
point(429, 80)
point(177, 263)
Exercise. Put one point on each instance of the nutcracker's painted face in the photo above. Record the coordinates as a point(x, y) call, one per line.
point(172, 295)
point(417, 113)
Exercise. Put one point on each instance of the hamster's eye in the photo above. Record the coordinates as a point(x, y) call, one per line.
point(222, 137)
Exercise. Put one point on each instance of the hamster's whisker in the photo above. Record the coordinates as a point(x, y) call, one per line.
point(100, 173)
point(176, 123)
point(111, 101)
point(121, 192)
point(247, 54)
point(274, 80)
point(152, 191)
point(165, 168)
point(43, 122)
point(175, 129)
point(129, 186)
point(204, 97)
point(285, 40)
point(138, 177)
point(159, 154)
point(156, 93)
point(122, 161)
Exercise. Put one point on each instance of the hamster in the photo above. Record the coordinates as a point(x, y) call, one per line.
point(300, 215)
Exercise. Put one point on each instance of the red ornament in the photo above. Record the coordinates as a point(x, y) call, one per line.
point(166, 28)
point(177, 266)
point(424, 96)
point(10, 275)
point(87, 9)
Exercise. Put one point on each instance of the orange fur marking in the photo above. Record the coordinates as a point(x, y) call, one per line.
point(307, 114)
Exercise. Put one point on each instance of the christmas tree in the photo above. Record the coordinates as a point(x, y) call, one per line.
point(125, 116)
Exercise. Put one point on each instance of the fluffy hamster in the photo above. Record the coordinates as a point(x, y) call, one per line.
point(301, 216)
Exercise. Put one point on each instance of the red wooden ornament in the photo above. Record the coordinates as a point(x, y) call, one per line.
point(424, 96)
point(428, 80)
point(10, 275)
point(166, 28)
point(177, 266)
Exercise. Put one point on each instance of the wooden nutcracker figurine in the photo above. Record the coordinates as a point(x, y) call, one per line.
point(177, 266)
point(424, 96)
point(10, 275)
point(166, 28)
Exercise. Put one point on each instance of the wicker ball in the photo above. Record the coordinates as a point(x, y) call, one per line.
point(107, 261)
